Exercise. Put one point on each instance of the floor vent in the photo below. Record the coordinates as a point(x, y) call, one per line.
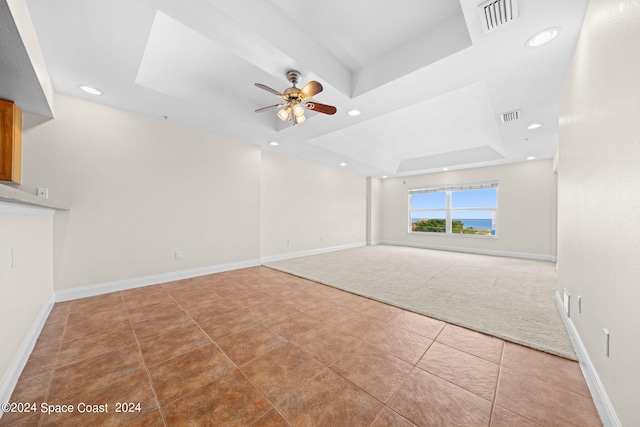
point(510, 116)
point(497, 13)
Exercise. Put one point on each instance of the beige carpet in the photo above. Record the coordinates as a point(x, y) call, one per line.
point(510, 298)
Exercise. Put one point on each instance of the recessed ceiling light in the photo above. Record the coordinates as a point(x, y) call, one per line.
point(343, 164)
point(354, 113)
point(274, 143)
point(531, 158)
point(384, 177)
point(534, 126)
point(445, 169)
point(543, 37)
point(91, 90)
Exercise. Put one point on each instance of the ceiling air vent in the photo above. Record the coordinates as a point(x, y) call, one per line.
point(510, 116)
point(497, 13)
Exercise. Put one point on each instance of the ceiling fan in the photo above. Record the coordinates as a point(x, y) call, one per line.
point(295, 99)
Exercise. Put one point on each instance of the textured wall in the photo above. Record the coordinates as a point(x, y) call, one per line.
point(306, 207)
point(139, 190)
point(599, 196)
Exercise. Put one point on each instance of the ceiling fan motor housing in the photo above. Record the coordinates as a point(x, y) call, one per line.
point(294, 76)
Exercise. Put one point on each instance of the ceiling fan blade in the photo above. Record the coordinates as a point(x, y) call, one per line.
point(312, 88)
point(268, 89)
point(321, 108)
point(270, 107)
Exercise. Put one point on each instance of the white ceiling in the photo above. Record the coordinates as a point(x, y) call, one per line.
point(430, 83)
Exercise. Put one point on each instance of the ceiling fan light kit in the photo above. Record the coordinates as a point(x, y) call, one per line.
point(296, 100)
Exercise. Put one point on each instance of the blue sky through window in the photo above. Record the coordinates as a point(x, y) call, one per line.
point(474, 198)
point(429, 201)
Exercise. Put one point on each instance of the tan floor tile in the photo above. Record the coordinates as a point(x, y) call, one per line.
point(389, 418)
point(281, 370)
point(183, 374)
point(231, 400)
point(145, 295)
point(227, 324)
point(213, 308)
point(401, 343)
point(152, 420)
point(249, 298)
point(93, 345)
point(327, 344)
point(94, 303)
point(542, 402)
point(347, 299)
point(330, 400)
point(418, 324)
point(327, 312)
point(481, 345)
point(59, 312)
point(162, 325)
point(134, 390)
point(377, 310)
point(51, 335)
point(167, 346)
point(470, 372)
point(272, 419)
point(198, 381)
point(31, 390)
point(194, 297)
point(375, 371)
point(100, 322)
point(29, 420)
point(40, 362)
point(270, 309)
point(566, 373)
point(504, 418)
point(230, 289)
point(87, 375)
point(427, 400)
point(359, 325)
point(250, 343)
point(167, 306)
point(292, 325)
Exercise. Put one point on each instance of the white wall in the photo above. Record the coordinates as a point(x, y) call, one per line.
point(307, 207)
point(26, 290)
point(525, 210)
point(599, 197)
point(139, 190)
point(374, 211)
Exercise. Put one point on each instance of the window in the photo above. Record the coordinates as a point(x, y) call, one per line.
point(463, 209)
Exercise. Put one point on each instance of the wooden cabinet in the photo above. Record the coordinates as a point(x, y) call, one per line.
point(10, 142)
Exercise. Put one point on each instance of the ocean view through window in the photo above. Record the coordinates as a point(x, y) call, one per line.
point(461, 209)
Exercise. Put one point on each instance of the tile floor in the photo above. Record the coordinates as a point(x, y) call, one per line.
point(257, 347)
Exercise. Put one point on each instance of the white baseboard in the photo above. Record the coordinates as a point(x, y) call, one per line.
point(603, 404)
point(10, 379)
point(509, 254)
point(292, 255)
point(121, 285)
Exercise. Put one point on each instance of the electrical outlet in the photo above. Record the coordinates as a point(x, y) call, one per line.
point(606, 342)
point(43, 193)
point(14, 258)
point(178, 255)
point(579, 304)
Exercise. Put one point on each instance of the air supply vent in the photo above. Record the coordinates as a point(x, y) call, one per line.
point(510, 116)
point(497, 13)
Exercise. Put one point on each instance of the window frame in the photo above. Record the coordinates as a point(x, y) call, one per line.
point(449, 210)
